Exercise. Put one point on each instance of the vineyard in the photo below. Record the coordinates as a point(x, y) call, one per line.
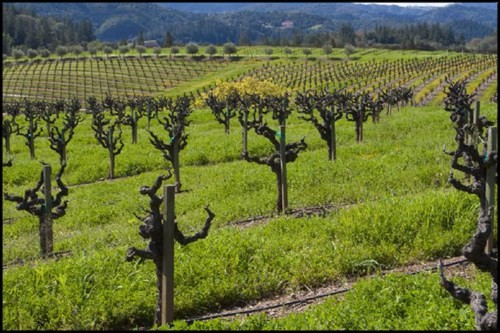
point(87, 77)
point(341, 177)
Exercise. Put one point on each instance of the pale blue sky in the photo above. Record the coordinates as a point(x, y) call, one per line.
point(406, 4)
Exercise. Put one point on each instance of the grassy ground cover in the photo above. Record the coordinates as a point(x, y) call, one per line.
point(397, 174)
point(392, 302)
point(392, 207)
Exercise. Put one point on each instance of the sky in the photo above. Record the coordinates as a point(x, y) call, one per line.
point(406, 4)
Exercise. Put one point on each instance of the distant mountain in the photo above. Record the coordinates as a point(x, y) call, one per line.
point(114, 21)
point(485, 5)
point(458, 12)
point(219, 22)
point(229, 7)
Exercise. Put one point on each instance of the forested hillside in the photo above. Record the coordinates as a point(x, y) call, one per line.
point(286, 24)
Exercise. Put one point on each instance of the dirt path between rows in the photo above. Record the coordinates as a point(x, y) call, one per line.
point(296, 302)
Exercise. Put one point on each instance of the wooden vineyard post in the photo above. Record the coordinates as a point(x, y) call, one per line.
point(475, 113)
point(245, 132)
point(284, 194)
point(160, 227)
point(333, 140)
point(167, 287)
point(175, 160)
point(31, 143)
point(111, 174)
point(134, 126)
point(227, 115)
point(470, 139)
point(360, 124)
point(46, 233)
point(63, 151)
point(490, 184)
point(7, 134)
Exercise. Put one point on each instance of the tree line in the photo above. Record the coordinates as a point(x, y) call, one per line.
point(25, 30)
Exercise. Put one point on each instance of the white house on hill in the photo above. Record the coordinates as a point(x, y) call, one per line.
point(151, 43)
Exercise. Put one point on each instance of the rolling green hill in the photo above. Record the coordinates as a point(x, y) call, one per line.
point(216, 23)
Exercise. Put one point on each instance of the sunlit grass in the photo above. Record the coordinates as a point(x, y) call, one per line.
point(389, 201)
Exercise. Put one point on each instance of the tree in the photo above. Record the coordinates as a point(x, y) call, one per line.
point(61, 51)
point(84, 31)
point(95, 44)
point(140, 49)
point(346, 34)
point(45, 53)
point(107, 50)
point(157, 51)
point(211, 50)
point(327, 49)
point(6, 43)
point(191, 48)
point(349, 49)
point(17, 54)
point(268, 51)
point(297, 38)
point(243, 39)
point(169, 40)
point(77, 50)
point(173, 50)
point(32, 54)
point(140, 38)
point(332, 42)
point(92, 50)
point(307, 52)
point(123, 49)
point(229, 48)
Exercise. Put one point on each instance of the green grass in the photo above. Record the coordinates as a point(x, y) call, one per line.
point(392, 207)
point(391, 302)
point(231, 266)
